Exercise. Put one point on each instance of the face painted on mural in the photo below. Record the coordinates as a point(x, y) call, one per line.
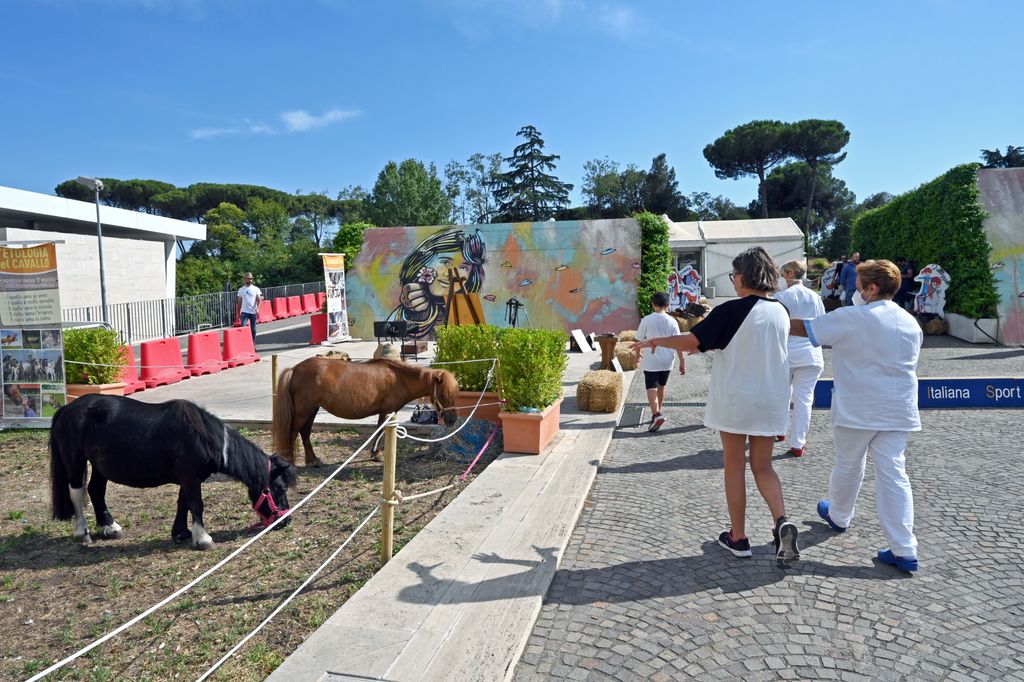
point(425, 279)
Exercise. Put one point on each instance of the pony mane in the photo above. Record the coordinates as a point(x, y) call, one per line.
point(449, 385)
point(244, 462)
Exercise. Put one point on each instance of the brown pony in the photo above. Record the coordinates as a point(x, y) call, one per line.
point(352, 390)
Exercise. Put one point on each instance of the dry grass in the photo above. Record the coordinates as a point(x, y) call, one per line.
point(58, 596)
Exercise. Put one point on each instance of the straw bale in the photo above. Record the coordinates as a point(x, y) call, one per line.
point(626, 357)
point(936, 326)
point(628, 335)
point(600, 391)
point(335, 355)
point(687, 323)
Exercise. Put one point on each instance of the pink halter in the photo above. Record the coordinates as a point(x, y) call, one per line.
point(265, 507)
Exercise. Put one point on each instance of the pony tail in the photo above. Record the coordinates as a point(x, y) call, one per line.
point(284, 415)
point(60, 495)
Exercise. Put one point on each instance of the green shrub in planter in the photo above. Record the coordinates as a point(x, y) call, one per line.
point(100, 351)
point(470, 342)
point(530, 367)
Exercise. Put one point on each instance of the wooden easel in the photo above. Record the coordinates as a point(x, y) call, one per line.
point(462, 306)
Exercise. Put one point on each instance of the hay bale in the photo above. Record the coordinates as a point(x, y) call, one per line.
point(388, 351)
point(936, 326)
point(687, 323)
point(600, 391)
point(626, 357)
point(628, 335)
point(335, 355)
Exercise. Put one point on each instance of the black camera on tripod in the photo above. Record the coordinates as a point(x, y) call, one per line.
point(391, 329)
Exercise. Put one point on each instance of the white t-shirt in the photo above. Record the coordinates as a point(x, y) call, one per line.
point(875, 365)
point(249, 293)
point(749, 390)
point(802, 304)
point(654, 326)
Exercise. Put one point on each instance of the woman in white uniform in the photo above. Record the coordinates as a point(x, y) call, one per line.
point(748, 398)
point(874, 405)
point(805, 362)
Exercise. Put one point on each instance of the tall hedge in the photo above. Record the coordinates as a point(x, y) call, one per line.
point(939, 222)
point(655, 259)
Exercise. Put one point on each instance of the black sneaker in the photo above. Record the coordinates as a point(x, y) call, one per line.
point(786, 548)
point(740, 548)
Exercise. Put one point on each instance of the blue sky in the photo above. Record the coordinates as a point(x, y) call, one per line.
point(315, 95)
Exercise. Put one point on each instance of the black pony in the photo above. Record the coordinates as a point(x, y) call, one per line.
point(145, 445)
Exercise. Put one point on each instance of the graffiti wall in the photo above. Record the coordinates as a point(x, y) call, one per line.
point(566, 275)
point(1001, 193)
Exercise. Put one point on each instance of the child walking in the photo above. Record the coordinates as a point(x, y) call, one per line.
point(657, 362)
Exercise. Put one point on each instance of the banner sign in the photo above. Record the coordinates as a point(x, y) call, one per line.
point(31, 348)
point(1002, 392)
point(337, 308)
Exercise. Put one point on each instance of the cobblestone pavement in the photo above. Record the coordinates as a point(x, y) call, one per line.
point(644, 592)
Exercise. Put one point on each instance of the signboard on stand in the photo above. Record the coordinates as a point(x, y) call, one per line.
point(337, 308)
point(31, 348)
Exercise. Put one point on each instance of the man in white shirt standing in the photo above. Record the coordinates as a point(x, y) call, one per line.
point(657, 362)
point(247, 304)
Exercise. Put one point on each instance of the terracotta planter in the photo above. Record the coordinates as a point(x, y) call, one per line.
point(488, 410)
point(318, 328)
point(78, 390)
point(530, 432)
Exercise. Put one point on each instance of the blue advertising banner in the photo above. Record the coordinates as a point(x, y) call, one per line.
point(958, 392)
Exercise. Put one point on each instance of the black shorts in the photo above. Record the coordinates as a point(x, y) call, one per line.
point(656, 379)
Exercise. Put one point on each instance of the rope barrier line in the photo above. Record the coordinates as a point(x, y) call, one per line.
point(404, 433)
point(118, 630)
point(399, 497)
point(286, 353)
point(288, 599)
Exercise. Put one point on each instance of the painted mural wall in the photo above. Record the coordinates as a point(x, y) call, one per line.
point(567, 274)
point(1001, 193)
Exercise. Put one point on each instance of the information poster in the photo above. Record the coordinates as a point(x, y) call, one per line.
point(337, 309)
point(31, 348)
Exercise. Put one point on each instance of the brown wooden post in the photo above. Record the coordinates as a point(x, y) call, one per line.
point(387, 526)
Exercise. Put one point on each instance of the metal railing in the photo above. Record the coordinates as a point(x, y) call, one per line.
point(160, 318)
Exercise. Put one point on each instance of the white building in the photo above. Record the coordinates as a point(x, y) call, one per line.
point(710, 245)
point(139, 254)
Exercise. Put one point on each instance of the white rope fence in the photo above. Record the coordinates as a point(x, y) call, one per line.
point(288, 599)
point(220, 564)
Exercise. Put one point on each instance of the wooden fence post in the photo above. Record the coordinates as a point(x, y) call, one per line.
point(387, 526)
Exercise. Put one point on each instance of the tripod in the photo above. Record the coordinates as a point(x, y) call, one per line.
point(512, 307)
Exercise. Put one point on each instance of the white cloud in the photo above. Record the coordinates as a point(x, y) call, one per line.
point(300, 120)
point(207, 133)
point(295, 121)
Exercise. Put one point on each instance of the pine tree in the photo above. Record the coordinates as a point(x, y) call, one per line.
point(526, 191)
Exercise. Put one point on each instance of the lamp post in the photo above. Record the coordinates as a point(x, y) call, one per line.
point(96, 185)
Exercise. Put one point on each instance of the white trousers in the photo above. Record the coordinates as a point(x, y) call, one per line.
point(895, 501)
point(801, 393)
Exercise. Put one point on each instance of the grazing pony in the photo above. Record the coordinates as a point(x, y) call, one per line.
point(352, 390)
point(146, 445)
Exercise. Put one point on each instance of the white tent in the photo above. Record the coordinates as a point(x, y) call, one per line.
point(717, 242)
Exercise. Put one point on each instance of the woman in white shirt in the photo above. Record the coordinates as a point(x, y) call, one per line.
point(805, 361)
point(748, 398)
point(874, 405)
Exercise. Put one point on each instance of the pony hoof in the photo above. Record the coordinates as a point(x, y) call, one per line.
point(182, 538)
point(113, 532)
point(83, 539)
point(203, 544)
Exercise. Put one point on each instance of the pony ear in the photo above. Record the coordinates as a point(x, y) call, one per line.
point(279, 466)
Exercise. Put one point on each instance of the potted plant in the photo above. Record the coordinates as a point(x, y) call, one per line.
point(93, 361)
point(470, 342)
point(530, 367)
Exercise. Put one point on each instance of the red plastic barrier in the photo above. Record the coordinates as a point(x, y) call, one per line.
point(130, 372)
point(294, 306)
point(265, 314)
point(321, 296)
point(281, 308)
point(204, 356)
point(238, 347)
point(318, 328)
point(161, 363)
point(309, 305)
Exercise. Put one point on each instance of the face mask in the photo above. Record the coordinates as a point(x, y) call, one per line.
point(858, 299)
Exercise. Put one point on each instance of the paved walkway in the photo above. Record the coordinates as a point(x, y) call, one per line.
point(644, 592)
